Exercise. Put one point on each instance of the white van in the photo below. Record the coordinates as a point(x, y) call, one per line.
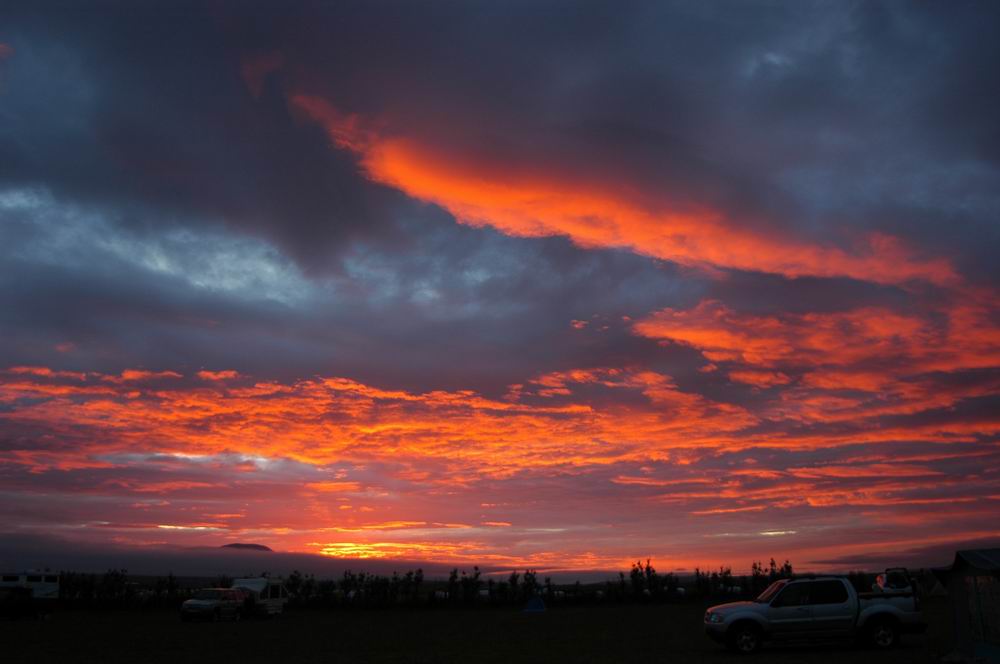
point(266, 596)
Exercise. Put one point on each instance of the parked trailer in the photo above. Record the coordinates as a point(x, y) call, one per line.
point(265, 596)
point(26, 594)
point(43, 585)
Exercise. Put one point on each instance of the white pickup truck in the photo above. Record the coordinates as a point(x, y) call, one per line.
point(818, 607)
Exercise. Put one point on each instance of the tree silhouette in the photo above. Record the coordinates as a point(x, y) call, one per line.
point(702, 583)
point(786, 570)
point(514, 580)
point(530, 584)
point(113, 587)
point(418, 580)
point(470, 585)
point(453, 585)
point(293, 583)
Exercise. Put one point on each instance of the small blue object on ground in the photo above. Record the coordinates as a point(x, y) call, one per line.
point(535, 605)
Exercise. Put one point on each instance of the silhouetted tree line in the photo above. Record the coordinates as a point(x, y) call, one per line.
point(113, 589)
point(462, 588)
point(761, 577)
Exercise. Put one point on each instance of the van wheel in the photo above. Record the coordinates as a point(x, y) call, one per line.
point(883, 634)
point(744, 639)
point(216, 616)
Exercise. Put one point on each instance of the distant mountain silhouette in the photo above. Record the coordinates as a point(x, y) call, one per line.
point(250, 547)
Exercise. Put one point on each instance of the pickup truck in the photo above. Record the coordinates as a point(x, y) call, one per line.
point(818, 607)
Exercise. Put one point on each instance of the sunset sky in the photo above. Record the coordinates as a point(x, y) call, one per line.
point(514, 284)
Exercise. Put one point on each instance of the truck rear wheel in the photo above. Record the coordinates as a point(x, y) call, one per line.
point(744, 638)
point(883, 634)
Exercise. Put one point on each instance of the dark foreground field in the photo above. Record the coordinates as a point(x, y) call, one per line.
point(630, 633)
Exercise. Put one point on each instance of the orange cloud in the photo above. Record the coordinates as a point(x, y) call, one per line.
point(626, 437)
point(523, 200)
point(723, 335)
point(218, 375)
point(960, 334)
point(170, 487)
point(760, 378)
point(46, 372)
point(294, 420)
point(334, 487)
point(845, 365)
point(132, 375)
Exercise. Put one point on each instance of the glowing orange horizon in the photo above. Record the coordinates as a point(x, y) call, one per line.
point(432, 445)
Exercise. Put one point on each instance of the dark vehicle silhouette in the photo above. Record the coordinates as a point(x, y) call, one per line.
point(214, 604)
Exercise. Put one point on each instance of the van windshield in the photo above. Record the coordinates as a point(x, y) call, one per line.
point(208, 594)
point(771, 591)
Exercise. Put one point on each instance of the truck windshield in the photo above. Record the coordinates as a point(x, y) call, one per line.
point(771, 591)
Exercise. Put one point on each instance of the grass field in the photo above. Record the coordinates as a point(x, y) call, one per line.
point(615, 633)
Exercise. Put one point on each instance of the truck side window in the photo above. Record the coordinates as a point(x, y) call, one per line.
point(827, 592)
point(896, 581)
point(794, 594)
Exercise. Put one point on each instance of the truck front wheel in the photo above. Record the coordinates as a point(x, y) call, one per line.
point(744, 638)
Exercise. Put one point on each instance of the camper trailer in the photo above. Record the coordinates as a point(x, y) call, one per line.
point(42, 585)
point(30, 593)
point(266, 596)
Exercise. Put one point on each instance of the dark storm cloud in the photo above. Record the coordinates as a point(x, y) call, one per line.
point(933, 555)
point(500, 308)
point(144, 112)
point(165, 119)
point(789, 115)
point(806, 118)
point(142, 118)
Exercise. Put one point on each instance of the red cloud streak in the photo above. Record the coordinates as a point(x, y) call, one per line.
point(524, 201)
